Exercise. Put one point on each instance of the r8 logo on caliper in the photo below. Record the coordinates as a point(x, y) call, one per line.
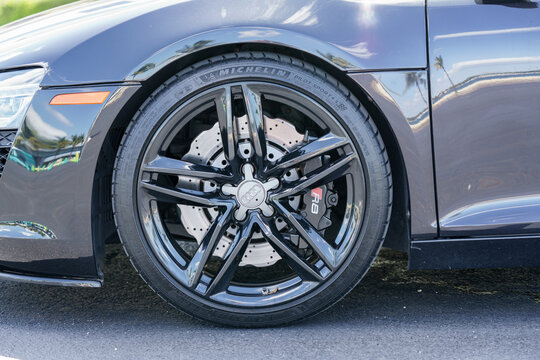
point(316, 195)
point(316, 210)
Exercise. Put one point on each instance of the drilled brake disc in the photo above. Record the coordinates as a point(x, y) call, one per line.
point(207, 148)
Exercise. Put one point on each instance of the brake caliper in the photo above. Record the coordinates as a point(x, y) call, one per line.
point(318, 201)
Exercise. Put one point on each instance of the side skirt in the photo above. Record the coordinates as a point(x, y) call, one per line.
point(484, 252)
point(50, 281)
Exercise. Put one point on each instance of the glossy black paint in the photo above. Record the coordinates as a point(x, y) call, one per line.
point(485, 85)
point(481, 252)
point(50, 281)
point(152, 191)
point(403, 98)
point(484, 78)
point(112, 41)
point(48, 181)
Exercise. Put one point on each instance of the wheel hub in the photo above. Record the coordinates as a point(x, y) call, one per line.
point(251, 194)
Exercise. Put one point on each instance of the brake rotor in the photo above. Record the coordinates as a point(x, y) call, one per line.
point(207, 148)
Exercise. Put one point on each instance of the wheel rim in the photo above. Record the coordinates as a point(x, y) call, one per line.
point(249, 199)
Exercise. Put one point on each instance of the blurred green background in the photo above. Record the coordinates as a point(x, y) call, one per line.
point(11, 10)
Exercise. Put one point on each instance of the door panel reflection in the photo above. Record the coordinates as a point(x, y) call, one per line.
point(485, 86)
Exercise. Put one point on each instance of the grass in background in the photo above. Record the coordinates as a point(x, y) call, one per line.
point(11, 10)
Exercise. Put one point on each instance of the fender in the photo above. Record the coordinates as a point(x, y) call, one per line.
point(344, 58)
point(327, 52)
point(402, 97)
point(121, 43)
point(95, 42)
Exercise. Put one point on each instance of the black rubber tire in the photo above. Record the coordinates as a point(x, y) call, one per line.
point(297, 74)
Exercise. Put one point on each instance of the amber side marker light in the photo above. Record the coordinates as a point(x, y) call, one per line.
point(97, 97)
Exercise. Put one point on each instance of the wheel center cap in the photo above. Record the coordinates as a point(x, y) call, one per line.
point(251, 194)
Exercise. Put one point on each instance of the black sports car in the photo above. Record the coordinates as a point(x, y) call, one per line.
point(253, 156)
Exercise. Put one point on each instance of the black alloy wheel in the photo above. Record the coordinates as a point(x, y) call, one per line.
point(252, 190)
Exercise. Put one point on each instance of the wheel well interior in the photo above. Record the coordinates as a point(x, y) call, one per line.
point(104, 229)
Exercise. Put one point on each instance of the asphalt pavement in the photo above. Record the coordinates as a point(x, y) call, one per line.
point(462, 314)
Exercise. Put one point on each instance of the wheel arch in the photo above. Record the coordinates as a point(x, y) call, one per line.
point(215, 41)
point(104, 229)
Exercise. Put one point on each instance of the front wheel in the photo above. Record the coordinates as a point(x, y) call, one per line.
point(252, 190)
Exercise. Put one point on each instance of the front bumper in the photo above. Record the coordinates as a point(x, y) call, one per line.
point(46, 188)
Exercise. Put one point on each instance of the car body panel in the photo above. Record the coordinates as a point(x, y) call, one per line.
point(95, 42)
point(485, 85)
point(403, 98)
point(46, 186)
point(48, 227)
point(109, 42)
point(475, 252)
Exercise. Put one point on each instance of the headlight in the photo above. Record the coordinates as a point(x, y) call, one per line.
point(16, 91)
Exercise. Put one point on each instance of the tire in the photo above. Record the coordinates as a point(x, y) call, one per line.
point(313, 204)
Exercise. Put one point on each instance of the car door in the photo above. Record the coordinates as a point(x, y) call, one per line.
point(485, 86)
